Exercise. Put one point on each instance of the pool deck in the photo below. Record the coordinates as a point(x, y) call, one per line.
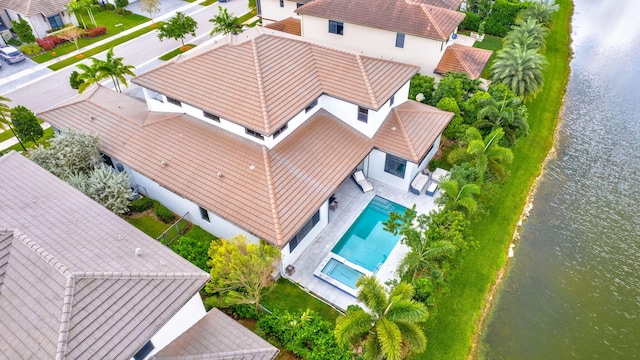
point(352, 202)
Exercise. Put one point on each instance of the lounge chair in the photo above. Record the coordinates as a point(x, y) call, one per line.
point(362, 181)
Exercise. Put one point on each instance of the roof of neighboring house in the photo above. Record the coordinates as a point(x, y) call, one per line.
point(400, 16)
point(463, 59)
point(266, 79)
point(217, 336)
point(411, 129)
point(33, 7)
point(446, 4)
point(262, 189)
point(288, 25)
point(71, 286)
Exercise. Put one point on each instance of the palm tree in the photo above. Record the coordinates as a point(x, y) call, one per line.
point(542, 11)
point(529, 33)
point(5, 114)
point(508, 113)
point(114, 67)
point(89, 75)
point(225, 23)
point(76, 7)
point(390, 329)
point(457, 198)
point(486, 155)
point(520, 69)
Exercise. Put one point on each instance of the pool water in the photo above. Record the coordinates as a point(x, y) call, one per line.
point(342, 272)
point(366, 243)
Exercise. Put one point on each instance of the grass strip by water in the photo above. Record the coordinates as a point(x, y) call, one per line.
point(171, 54)
point(450, 330)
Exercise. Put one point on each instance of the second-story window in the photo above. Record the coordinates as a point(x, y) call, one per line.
point(363, 114)
point(210, 116)
point(391, 100)
point(280, 131)
point(281, 3)
point(336, 27)
point(298, 5)
point(400, 40)
point(311, 106)
point(174, 101)
point(255, 134)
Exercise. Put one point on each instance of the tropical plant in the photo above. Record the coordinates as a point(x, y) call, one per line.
point(26, 124)
point(485, 155)
point(69, 153)
point(109, 188)
point(120, 5)
point(151, 7)
point(456, 127)
point(178, 27)
point(78, 7)
point(5, 115)
point(520, 69)
point(459, 198)
point(225, 23)
point(541, 10)
point(24, 31)
point(114, 68)
point(455, 85)
point(503, 14)
point(421, 84)
point(240, 271)
point(506, 112)
point(528, 33)
point(89, 75)
point(390, 329)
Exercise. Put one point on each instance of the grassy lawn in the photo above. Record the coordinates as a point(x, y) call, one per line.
point(149, 225)
point(247, 16)
point(208, 2)
point(171, 54)
point(489, 43)
point(104, 18)
point(289, 296)
point(5, 135)
point(48, 134)
point(451, 329)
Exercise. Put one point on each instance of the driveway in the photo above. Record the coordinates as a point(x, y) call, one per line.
point(8, 69)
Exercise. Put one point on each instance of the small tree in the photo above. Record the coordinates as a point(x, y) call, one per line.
point(72, 34)
point(240, 272)
point(74, 81)
point(23, 30)
point(178, 27)
point(151, 7)
point(26, 124)
point(69, 153)
point(225, 23)
point(5, 115)
point(109, 188)
point(114, 68)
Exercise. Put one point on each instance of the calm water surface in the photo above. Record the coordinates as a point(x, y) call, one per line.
point(573, 291)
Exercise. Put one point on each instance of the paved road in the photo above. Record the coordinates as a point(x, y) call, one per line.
point(53, 88)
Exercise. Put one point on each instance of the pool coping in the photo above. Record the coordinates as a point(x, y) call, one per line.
point(335, 282)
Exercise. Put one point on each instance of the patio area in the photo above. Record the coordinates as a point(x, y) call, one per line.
point(351, 202)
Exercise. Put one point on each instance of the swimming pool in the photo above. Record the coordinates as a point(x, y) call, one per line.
point(363, 248)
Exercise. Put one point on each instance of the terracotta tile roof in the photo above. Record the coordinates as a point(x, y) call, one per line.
point(261, 188)
point(409, 17)
point(270, 78)
point(217, 336)
point(446, 4)
point(288, 25)
point(463, 59)
point(410, 130)
point(71, 286)
point(33, 7)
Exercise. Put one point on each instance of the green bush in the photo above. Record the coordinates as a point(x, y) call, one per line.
point(471, 22)
point(165, 215)
point(14, 42)
point(141, 204)
point(110, 6)
point(23, 30)
point(503, 15)
point(421, 84)
point(30, 49)
point(193, 250)
point(424, 288)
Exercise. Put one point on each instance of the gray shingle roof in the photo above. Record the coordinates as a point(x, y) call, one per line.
point(71, 286)
point(33, 7)
point(217, 336)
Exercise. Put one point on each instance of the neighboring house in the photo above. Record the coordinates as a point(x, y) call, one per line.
point(79, 282)
point(414, 32)
point(42, 15)
point(253, 136)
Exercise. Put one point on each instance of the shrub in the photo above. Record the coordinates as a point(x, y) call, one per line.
point(14, 42)
point(196, 251)
point(23, 30)
point(503, 15)
point(421, 84)
point(110, 7)
point(424, 288)
point(30, 49)
point(48, 43)
point(165, 215)
point(140, 205)
point(97, 31)
point(244, 311)
point(471, 22)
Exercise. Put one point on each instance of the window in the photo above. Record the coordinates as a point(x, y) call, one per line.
point(304, 231)
point(336, 27)
point(146, 350)
point(279, 131)
point(254, 133)
point(174, 101)
point(298, 5)
point(400, 40)
point(281, 3)
point(210, 116)
point(204, 214)
point(107, 159)
point(391, 100)
point(363, 114)
point(395, 166)
point(311, 106)
point(55, 21)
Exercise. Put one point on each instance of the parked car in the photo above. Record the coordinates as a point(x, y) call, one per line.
point(11, 55)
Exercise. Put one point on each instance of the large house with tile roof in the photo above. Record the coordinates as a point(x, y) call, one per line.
point(79, 282)
point(419, 32)
point(253, 135)
point(42, 15)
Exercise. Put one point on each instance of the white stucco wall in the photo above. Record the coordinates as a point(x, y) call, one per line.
point(419, 51)
point(289, 258)
point(348, 113)
point(272, 12)
point(38, 23)
point(375, 170)
point(185, 318)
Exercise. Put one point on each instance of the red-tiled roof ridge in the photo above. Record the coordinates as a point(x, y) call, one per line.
point(263, 101)
point(272, 195)
point(365, 77)
point(428, 9)
point(405, 135)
